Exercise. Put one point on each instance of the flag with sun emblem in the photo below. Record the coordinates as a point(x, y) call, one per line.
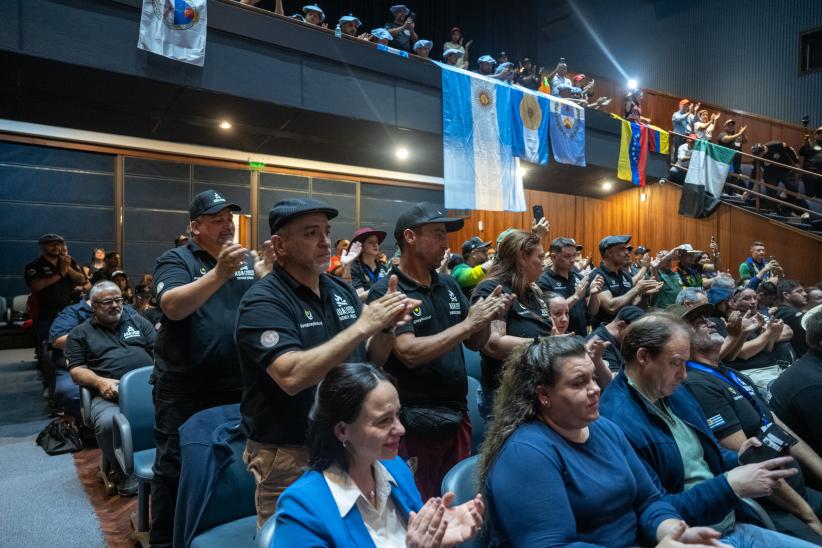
point(529, 124)
point(175, 29)
point(567, 132)
point(480, 170)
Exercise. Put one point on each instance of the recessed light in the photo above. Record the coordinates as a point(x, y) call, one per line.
point(633, 84)
point(402, 153)
point(607, 185)
point(225, 124)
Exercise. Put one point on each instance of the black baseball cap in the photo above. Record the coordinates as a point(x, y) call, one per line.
point(630, 313)
point(209, 202)
point(285, 211)
point(425, 213)
point(48, 238)
point(610, 241)
point(474, 243)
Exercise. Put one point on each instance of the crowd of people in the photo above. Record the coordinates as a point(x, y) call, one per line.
point(691, 122)
point(633, 401)
point(400, 34)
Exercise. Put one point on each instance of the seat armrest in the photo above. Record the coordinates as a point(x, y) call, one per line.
point(759, 513)
point(123, 445)
point(85, 402)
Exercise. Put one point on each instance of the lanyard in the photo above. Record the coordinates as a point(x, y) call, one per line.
point(756, 268)
point(734, 381)
point(371, 275)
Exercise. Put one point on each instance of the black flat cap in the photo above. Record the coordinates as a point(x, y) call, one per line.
point(285, 211)
point(425, 213)
point(609, 241)
point(209, 202)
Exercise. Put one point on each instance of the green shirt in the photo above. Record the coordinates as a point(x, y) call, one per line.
point(695, 469)
point(468, 276)
point(671, 288)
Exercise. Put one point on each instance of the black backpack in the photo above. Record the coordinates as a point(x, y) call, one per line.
point(60, 436)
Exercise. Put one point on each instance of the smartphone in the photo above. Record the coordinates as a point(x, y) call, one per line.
point(412, 16)
point(538, 213)
point(775, 443)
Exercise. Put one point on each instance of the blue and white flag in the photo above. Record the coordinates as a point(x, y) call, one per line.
point(567, 132)
point(529, 124)
point(479, 167)
point(175, 29)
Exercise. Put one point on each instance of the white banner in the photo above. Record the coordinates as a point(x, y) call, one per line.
point(175, 29)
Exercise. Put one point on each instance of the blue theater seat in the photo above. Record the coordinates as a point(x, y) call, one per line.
point(134, 437)
point(472, 363)
point(477, 422)
point(461, 479)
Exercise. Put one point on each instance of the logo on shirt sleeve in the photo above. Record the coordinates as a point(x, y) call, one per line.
point(715, 422)
point(160, 286)
point(269, 338)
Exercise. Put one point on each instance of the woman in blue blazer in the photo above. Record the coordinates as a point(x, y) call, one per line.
point(358, 492)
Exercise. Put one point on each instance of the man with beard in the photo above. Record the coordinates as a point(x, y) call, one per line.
point(99, 352)
point(736, 411)
point(665, 426)
point(427, 358)
point(51, 278)
point(294, 327)
point(403, 34)
point(199, 287)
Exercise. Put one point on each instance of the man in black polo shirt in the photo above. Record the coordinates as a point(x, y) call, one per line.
point(427, 358)
point(52, 278)
point(797, 393)
point(562, 279)
point(611, 333)
point(101, 350)
point(293, 327)
point(618, 290)
point(199, 286)
point(736, 411)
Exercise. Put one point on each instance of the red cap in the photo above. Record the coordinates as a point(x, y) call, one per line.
point(578, 78)
point(684, 102)
point(693, 136)
point(455, 29)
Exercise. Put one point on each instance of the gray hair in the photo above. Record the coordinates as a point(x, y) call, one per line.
point(105, 285)
point(689, 294)
point(723, 281)
point(813, 330)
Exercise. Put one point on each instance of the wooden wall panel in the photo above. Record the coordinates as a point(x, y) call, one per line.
point(656, 224)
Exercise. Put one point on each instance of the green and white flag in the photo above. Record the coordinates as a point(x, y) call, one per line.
point(707, 171)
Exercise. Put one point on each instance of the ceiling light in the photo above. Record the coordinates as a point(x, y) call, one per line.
point(633, 84)
point(607, 185)
point(402, 153)
point(225, 124)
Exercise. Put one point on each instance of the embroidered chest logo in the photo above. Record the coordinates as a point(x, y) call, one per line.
point(130, 333)
point(454, 305)
point(244, 273)
point(344, 310)
point(311, 322)
point(308, 314)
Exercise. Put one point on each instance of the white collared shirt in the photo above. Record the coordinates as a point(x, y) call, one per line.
point(384, 523)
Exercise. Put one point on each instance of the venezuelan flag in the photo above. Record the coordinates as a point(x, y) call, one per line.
point(633, 153)
point(659, 140)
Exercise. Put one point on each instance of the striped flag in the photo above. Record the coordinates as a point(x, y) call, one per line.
point(633, 153)
point(703, 186)
point(659, 140)
point(480, 170)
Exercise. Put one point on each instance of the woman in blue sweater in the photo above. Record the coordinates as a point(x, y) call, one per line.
point(358, 493)
point(555, 473)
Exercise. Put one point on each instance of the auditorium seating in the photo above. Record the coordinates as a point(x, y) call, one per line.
point(462, 481)
point(266, 534)
point(472, 363)
point(104, 474)
point(134, 437)
point(477, 422)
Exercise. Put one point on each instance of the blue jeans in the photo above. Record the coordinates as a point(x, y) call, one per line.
point(745, 535)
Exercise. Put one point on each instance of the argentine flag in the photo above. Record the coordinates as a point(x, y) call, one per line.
point(479, 167)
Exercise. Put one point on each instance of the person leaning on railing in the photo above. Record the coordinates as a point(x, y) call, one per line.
point(811, 154)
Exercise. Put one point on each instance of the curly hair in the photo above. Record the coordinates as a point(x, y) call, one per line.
point(528, 366)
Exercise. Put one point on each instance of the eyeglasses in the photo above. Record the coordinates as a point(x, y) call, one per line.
point(109, 302)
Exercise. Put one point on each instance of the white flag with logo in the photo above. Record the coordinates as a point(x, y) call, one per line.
point(175, 29)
